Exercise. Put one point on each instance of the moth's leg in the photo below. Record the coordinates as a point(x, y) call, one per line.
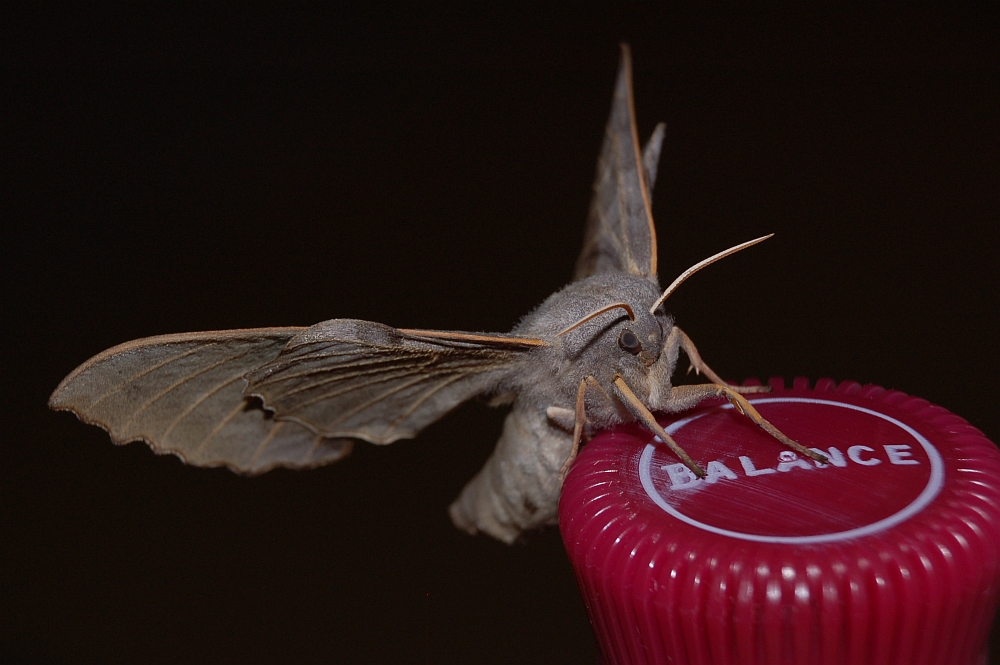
point(684, 397)
point(501, 400)
point(592, 383)
point(640, 411)
point(565, 419)
point(680, 338)
point(580, 420)
point(562, 417)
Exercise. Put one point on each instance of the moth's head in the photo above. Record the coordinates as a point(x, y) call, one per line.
point(622, 329)
point(610, 324)
point(644, 334)
point(602, 326)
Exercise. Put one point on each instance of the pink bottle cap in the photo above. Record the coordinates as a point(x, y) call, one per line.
point(888, 554)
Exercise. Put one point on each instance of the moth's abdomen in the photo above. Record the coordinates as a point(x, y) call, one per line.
point(518, 487)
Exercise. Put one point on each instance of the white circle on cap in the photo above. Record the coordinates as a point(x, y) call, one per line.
point(934, 482)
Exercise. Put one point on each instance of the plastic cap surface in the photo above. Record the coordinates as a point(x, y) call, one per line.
point(890, 553)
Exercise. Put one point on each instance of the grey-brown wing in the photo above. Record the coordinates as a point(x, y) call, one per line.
point(352, 378)
point(620, 235)
point(183, 394)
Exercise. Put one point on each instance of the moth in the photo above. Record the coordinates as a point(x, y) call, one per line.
point(599, 352)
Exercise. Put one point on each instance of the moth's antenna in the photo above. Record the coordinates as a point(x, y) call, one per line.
point(701, 264)
point(622, 305)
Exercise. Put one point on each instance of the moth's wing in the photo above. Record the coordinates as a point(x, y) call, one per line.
point(651, 160)
point(620, 235)
point(352, 378)
point(183, 394)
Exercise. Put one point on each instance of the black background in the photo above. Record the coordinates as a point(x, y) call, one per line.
point(171, 169)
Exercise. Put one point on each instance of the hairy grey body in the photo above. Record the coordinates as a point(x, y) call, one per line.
point(518, 487)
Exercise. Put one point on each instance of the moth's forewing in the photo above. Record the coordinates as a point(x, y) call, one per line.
point(183, 394)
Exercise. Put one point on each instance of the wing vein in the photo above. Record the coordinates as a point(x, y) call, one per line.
point(320, 355)
point(387, 376)
point(312, 448)
point(427, 395)
point(278, 378)
point(263, 444)
point(378, 398)
point(184, 414)
point(407, 370)
point(623, 218)
point(149, 402)
point(218, 428)
point(142, 374)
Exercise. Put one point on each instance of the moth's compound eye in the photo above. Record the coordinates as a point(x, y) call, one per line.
point(629, 342)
